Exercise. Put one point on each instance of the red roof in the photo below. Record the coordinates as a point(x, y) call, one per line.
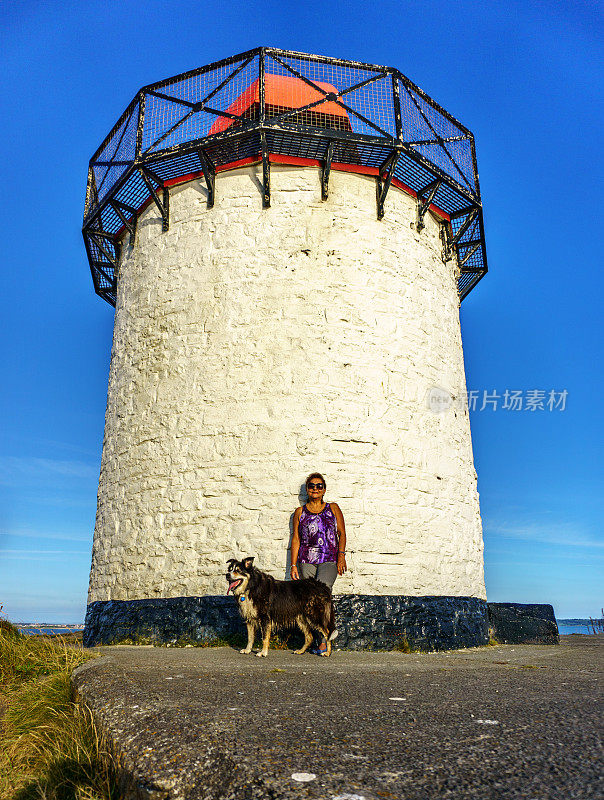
point(283, 92)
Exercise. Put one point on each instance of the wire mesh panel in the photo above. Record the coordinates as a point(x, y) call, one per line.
point(329, 94)
point(266, 103)
point(203, 104)
point(116, 154)
point(438, 136)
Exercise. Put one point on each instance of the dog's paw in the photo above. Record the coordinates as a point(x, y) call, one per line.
point(245, 651)
point(299, 652)
point(261, 654)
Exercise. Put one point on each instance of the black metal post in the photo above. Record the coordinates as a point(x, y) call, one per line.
point(383, 181)
point(88, 200)
point(162, 206)
point(209, 174)
point(129, 224)
point(425, 198)
point(453, 242)
point(469, 254)
point(98, 243)
point(266, 167)
point(139, 127)
point(326, 171)
point(266, 173)
point(396, 99)
point(165, 222)
point(464, 226)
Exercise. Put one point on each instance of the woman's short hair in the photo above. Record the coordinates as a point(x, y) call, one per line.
point(314, 475)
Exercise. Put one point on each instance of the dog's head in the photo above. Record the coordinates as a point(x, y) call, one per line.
point(239, 574)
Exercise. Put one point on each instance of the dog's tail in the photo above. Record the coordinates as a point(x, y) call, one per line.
point(331, 625)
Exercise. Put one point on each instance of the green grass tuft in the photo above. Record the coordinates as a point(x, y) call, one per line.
point(8, 627)
point(492, 640)
point(50, 748)
point(402, 645)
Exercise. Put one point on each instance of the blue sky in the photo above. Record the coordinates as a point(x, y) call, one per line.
point(524, 77)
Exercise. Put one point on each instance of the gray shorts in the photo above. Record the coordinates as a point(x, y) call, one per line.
point(326, 573)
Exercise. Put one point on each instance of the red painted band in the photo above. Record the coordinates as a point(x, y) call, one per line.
point(276, 158)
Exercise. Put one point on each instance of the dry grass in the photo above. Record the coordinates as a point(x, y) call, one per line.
point(402, 645)
point(597, 625)
point(50, 748)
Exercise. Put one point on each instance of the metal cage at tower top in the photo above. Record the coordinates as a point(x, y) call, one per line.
point(266, 106)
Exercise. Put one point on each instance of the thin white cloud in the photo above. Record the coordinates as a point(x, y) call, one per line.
point(512, 562)
point(28, 533)
point(68, 446)
point(39, 555)
point(13, 467)
point(47, 552)
point(62, 498)
point(560, 533)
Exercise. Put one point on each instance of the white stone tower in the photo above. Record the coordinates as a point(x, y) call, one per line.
point(286, 239)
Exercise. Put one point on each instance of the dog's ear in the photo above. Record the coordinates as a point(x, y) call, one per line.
point(247, 562)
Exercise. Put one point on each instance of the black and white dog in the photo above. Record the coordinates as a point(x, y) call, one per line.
point(269, 604)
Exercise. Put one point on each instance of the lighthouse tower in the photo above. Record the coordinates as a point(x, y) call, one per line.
point(286, 239)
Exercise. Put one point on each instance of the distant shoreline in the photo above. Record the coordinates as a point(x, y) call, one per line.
point(79, 626)
point(34, 626)
point(574, 621)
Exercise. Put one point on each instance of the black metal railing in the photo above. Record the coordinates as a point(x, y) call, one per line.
point(269, 102)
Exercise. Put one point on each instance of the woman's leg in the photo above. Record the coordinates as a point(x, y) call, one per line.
point(327, 574)
point(307, 570)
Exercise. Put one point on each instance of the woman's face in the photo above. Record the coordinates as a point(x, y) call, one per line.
point(315, 489)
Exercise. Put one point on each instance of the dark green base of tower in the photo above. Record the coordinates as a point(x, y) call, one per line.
point(365, 622)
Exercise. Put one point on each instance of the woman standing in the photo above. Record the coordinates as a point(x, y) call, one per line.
point(319, 539)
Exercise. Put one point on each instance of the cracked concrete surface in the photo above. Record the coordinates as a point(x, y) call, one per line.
point(512, 721)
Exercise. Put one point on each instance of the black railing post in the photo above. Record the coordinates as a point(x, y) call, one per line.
point(163, 204)
point(475, 168)
point(209, 174)
point(88, 202)
point(165, 217)
point(326, 169)
point(266, 167)
point(140, 125)
point(261, 85)
point(396, 99)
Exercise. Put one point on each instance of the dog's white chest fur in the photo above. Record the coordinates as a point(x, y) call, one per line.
point(246, 608)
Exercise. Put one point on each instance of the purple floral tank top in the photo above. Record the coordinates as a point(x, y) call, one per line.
point(318, 536)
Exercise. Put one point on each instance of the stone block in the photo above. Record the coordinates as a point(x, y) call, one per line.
point(365, 622)
point(519, 623)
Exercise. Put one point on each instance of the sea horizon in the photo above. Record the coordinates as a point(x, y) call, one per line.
point(566, 626)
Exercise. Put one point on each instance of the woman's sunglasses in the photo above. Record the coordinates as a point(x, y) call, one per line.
point(314, 486)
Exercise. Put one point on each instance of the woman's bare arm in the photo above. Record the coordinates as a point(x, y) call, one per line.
point(341, 560)
point(295, 545)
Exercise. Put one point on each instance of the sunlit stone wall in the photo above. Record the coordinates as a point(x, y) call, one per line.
point(253, 346)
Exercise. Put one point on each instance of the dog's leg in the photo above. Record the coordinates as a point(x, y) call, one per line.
point(307, 636)
point(331, 624)
point(266, 635)
point(321, 618)
point(324, 630)
point(325, 634)
point(251, 630)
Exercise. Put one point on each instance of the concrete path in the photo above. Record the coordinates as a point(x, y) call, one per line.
point(513, 721)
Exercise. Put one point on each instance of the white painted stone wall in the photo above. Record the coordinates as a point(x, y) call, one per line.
point(253, 346)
